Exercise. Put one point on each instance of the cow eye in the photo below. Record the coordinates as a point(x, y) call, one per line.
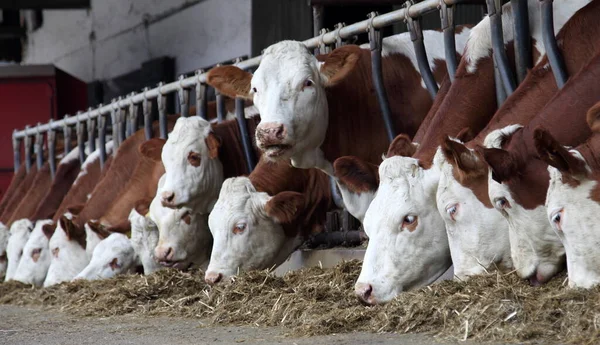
point(194, 158)
point(254, 90)
point(114, 264)
point(451, 210)
point(55, 252)
point(409, 223)
point(556, 219)
point(187, 218)
point(239, 228)
point(36, 251)
point(409, 220)
point(501, 203)
point(307, 83)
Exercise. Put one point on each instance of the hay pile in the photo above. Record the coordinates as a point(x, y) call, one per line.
point(316, 301)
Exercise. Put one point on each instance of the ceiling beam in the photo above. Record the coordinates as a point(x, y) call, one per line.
point(44, 4)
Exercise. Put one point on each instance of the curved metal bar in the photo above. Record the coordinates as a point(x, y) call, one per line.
point(375, 41)
point(80, 139)
point(28, 151)
point(338, 39)
point(495, 14)
point(523, 56)
point(51, 137)
point(416, 35)
point(67, 134)
point(91, 129)
point(39, 149)
point(554, 55)
point(323, 47)
point(147, 110)
point(161, 101)
point(184, 98)
point(102, 138)
point(16, 142)
point(201, 96)
point(447, 19)
point(246, 140)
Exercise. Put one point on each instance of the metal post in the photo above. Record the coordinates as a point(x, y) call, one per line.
point(102, 137)
point(67, 135)
point(51, 136)
point(113, 123)
point(246, 140)
point(338, 39)
point(121, 124)
point(80, 138)
point(500, 93)
point(220, 106)
point(147, 110)
point(201, 96)
point(323, 48)
point(522, 42)
point(28, 151)
point(39, 149)
point(447, 18)
point(184, 98)
point(495, 14)
point(162, 113)
point(554, 55)
point(317, 22)
point(16, 152)
point(91, 129)
point(375, 41)
point(132, 119)
point(416, 35)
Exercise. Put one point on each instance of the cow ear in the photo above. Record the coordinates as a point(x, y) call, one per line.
point(142, 206)
point(152, 149)
point(73, 232)
point(556, 155)
point(285, 206)
point(461, 157)
point(401, 146)
point(213, 143)
point(230, 81)
point(98, 228)
point(465, 135)
point(75, 209)
point(503, 165)
point(338, 64)
point(357, 175)
point(593, 117)
point(48, 229)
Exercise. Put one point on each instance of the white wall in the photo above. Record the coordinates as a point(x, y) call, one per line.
point(112, 39)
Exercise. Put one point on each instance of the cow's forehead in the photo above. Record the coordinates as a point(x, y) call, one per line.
point(188, 130)
point(286, 59)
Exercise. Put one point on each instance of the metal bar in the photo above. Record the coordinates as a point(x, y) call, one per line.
point(121, 125)
point(16, 152)
point(39, 149)
point(114, 123)
point(28, 151)
point(447, 19)
point(161, 102)
point(51, 136)
point(522, 42)
point(201, 96)
point(221, 111)
point(416, 35)
point(500, 93)
point(184, 98)
point(147, 110)
point(323, 47)
point(246, 140)
point(375, 41)
point(346, 32)
point(495, 14)
point(91, 129)
point(67, 133)
point(80, 139)
point(337, 238)
point(317, 11)
point(102, 139)
point(132, 119)
point(554, 55)
point(339, 42)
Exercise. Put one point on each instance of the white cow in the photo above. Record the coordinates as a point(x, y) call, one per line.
point(112, 256)
point(144, 239)
point(4, 234)
point(19, 234)
point(68, 253)
point(35, 261)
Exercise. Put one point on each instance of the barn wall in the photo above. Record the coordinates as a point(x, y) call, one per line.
point(115, 36)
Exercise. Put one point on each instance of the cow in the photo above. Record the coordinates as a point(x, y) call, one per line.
point(14, 185)
point(19, 234)
point(17, 196)
point(144, 236)
point(35, 260)
point(114, 255)
point(4, 234)
point(572, 202)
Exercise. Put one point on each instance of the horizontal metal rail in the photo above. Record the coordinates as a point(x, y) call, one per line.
point(329, 38)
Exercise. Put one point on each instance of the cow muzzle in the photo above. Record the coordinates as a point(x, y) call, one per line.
point(213, 278)
point(364, 292)
point(271, 138)
point(167, 199)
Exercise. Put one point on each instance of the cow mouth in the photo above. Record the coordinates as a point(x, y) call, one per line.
point(273, 151)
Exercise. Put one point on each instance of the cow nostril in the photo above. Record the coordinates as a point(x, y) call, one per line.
point(213, 278)
point(169, 254)
point(168, 196)
point(280, 131)
point(364, 292)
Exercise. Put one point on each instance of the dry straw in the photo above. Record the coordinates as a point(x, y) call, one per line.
point(321, 301)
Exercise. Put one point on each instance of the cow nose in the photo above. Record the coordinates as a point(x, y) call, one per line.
point(164, 254)
point(364, 292)
point(213, 277)
point(167, 198)
point(271, 133)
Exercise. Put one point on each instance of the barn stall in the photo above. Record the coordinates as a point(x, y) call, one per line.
point(494, 306)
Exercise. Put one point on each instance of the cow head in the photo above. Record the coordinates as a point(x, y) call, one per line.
point(67, 249)
point(35, 261)
point(144, 236)
point(514, 182)
point(572, 206)
point(193, 171)
point(94, 233)
point(289, 90)
point(114, 255)
point(19, 234)
point(408, 246)
point(249, 229)
point(4, 234)
point(477, 233)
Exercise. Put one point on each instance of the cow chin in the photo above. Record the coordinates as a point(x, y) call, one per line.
point(278, 152)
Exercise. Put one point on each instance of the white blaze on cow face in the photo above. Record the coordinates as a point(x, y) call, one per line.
point(4, 234)
point(19, 234)
point(193, 171)
point(35, 261)
point(144, 239)
point(68, 257)
point(408, 246)
point(114, 255)
point(247, 227)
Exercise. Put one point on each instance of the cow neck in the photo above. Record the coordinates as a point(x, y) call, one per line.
point(14, 184)
point(34, 195)
point(16, 198)
point(231, 152)
point(355, 123)
point(65, 175)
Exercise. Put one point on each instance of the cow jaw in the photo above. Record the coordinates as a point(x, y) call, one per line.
point(408, 246)
point(35, 261)
point(67, 260)
point(114, 255)
point(20, 231)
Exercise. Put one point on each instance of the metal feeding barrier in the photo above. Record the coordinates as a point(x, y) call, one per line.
point(124, 111)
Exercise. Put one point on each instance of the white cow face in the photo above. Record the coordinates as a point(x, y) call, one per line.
point(249, 229)
point(144, 239)
point(19, 234)
point(184, 239)
point(408, 246)
point(67, 247)
point(91, 240)
point(192, 165)
point(35, 261)
point(114, 255)
point(288, 89)
point(477, 233)
point(4, 234)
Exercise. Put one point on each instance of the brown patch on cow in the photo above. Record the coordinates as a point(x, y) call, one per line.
point(122, 227)
point(48, 230)
point(465, 135)
point(553, 153)
point(504, 166)
point(357, 175)
point(142, 206)
point(75, 209)
point(194, 159)
point(98, 228)
point(73, 232)
point(114, 264)
point(31, 200)
point(35, 254)
point(338, 64)
point(18, 194)
point(469, 169)
point(187, 218)
point(55, 252)
point(401, 146)
point(285, 206)
point(213, 143)
point(230, 81)
point(152, 149)
point(17, 179)
point(593, 117)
